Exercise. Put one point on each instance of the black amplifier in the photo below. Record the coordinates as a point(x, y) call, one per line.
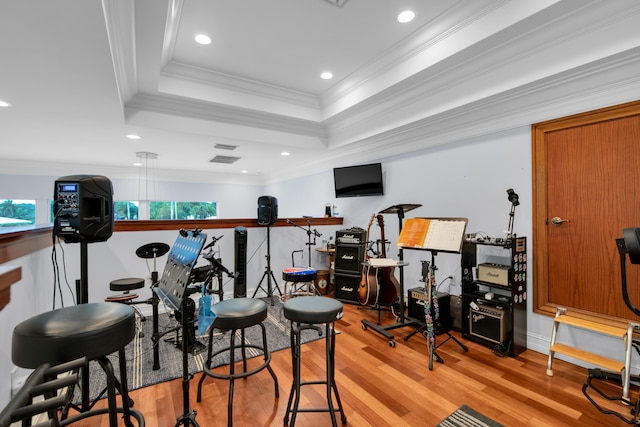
point(351, 236)
point(417, 302)
point(490, 323)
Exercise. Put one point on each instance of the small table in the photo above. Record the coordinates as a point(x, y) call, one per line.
point(329, 252)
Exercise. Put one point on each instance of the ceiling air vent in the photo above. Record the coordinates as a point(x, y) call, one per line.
point(338, 3)
point(224, 159)
point(225, 147)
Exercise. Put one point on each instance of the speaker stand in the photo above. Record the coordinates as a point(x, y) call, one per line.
point(268, 274)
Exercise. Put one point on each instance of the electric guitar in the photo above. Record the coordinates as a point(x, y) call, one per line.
point(389, 287)
point(368, 289)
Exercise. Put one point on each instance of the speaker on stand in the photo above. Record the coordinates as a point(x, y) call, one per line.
point(240, 282)
point(83, 213)
point(267, 210)
point(268, 215)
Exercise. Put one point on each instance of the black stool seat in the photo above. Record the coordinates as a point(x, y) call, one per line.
point(239, 313)
point(312, 309)
point(93, 331)
point(128, 284)
point(85, 330)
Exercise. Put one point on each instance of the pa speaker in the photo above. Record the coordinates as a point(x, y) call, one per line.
point(83, 208)
point(267, 210)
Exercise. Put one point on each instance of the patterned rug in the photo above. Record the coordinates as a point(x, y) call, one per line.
point(465, 416)
point(139, 352)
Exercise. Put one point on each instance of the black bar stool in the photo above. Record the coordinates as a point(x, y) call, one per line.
point(125, 286)
point(232, 315)
point(93, 331)
point(307, 312)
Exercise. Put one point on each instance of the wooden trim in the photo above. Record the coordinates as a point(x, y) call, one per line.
point(18, 242)
point(8, 276)
point(209, 224)
point(540, 272)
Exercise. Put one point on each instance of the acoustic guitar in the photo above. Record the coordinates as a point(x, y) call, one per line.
point(389, 287)
point(368, 289)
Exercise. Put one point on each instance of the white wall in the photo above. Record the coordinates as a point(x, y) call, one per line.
point(464, 179)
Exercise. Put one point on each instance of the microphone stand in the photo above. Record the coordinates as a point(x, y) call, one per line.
point(309, 232)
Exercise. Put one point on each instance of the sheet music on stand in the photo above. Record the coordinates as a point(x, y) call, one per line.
point(182, 258)
point(435, 234)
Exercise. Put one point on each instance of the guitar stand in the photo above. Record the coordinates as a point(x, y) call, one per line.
point(432, 318)
point(401, 320)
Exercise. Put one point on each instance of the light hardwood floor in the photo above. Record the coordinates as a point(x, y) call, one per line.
point(384, 386)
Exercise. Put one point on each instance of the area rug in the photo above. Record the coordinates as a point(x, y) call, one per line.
point(139, 352)
point(465, 416)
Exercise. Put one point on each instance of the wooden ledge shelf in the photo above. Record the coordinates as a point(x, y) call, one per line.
point(8, 276)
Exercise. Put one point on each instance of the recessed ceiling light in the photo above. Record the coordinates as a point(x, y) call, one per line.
point(285, 153)
point(137, 164)
point(244, 171)
point(406, 16)
point(4, 104)
point(202, 39)
point(133, 136)
point(326, 75)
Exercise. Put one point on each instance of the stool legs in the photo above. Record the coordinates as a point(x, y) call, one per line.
point(232, 375)
point(113, 385)
point(294, 395)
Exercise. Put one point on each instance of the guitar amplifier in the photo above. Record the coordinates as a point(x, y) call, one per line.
point(489, 323)
point(346, 287)
point(417, 303)
point(496, 274)
point(351, 236)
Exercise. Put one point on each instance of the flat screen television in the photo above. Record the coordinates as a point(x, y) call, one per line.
point(361, 180)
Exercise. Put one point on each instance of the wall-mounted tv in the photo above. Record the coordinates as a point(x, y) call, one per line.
point(362, 180)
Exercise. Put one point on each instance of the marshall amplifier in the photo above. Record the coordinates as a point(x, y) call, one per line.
point(416, 307)
point(496, 274)
point(489, 323)
point(348, 259)
point(351, 236)
point(346, 287)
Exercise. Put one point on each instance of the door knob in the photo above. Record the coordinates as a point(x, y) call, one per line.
point(557, 221)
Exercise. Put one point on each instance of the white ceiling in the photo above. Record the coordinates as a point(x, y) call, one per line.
point(81, 74)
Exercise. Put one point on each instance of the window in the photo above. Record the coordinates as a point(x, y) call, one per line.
point(125, 210)
point(183, 210)
point(16, 213)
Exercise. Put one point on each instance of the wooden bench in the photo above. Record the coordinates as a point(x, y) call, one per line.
point(614, 365)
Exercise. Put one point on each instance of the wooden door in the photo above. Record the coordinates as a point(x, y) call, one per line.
point(587, 175)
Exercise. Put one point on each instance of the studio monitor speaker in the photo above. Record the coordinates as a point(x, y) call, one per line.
point(267, 210)
point(83, 208)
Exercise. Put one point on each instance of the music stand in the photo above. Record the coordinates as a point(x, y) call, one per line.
point(400, 210)
point(434, 235)
point(172, 289)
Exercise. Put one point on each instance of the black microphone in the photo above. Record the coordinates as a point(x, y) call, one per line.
point(214, 240)
point(513, 197)
point(183, 232)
